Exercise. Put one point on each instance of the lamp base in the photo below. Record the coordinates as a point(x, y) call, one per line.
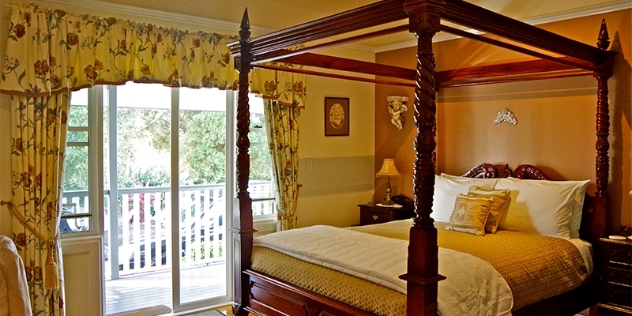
point(388, 202)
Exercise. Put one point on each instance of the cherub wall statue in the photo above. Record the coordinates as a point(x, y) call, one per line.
point(397, 106)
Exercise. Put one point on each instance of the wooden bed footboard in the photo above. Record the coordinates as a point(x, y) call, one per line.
point(568, 303)
point(269, 296)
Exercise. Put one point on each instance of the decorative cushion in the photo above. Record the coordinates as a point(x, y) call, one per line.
point(546, 207)
point(500, 204)
point(446, 189)
point(470, 214)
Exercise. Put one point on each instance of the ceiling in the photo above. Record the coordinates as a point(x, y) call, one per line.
point(269, 15)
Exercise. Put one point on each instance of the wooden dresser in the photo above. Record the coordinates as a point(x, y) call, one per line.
point(374, 214)
point(616, 292)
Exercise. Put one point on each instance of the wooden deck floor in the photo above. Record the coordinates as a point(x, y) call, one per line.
point(153, 289)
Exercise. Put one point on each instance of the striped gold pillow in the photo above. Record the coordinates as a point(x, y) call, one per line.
point(470, 214)
point(501, 201)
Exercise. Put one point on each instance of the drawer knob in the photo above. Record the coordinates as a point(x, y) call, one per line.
point(375, 217)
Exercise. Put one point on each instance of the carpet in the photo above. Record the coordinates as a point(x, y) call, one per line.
point(149, 311)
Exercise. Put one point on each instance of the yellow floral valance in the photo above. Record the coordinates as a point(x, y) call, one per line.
point(53, 50)
point(287, 87)
point(49, 51)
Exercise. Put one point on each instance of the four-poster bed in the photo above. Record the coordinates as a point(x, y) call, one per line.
point(273, 296)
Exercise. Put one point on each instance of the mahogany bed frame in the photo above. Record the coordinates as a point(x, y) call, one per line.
point(261, 294)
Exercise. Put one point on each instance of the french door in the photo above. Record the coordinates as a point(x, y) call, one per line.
point(169, 170)
point(163, 160)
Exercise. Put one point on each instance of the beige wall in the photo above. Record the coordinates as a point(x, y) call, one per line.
point(336, 171)
point(556, 118)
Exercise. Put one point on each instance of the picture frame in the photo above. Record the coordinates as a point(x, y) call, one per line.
point(336, 116)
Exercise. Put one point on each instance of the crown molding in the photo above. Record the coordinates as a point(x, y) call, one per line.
point(157, 14)
point(601, 9)
point(223, 25)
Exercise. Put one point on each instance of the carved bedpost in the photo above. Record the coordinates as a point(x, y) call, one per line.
point(422, 273)
point(242, 213)
point(602, 198)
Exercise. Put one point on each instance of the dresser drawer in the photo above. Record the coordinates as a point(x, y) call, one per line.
point(620, 254)
point(620, 276)
point(368, 217)
point(604, 310)
point(619, 295)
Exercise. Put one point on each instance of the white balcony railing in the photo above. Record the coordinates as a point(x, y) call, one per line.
point(144, 224)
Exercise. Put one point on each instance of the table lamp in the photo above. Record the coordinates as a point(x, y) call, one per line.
point(388, 170)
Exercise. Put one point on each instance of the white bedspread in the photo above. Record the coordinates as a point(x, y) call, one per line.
point(472, 287)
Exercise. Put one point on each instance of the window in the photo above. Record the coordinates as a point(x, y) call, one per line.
point(81, 180)
point(261, 182)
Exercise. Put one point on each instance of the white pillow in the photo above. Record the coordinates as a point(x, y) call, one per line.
point(483, 183)
point(447, 188)
point(550, 208)
point(576, 215)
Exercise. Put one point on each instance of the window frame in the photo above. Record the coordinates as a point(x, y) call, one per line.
point(95, 165)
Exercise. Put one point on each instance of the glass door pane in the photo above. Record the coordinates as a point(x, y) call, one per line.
point(202, 186)
point(140, 231)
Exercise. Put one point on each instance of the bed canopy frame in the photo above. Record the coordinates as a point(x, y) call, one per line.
point(424, 21)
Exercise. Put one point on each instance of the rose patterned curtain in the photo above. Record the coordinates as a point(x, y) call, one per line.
point(49, 51)
point(282, 118)
point(38, 146)
point(282, 129)
point(52, 52)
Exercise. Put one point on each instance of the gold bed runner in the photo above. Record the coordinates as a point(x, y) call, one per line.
point(524, 260)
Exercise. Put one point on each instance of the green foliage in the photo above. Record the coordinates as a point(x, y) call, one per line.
point(203, 146)
point(76, 169)
point(142, 147)
point(193, 244)
point(144, 143)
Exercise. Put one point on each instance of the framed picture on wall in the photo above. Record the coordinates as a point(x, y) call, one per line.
point(336, 116)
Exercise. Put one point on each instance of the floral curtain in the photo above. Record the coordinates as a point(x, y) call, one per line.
point(284, 93)
point(282, 128)
point(38, 146)
point(286, 87)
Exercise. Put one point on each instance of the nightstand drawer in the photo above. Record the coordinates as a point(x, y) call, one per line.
point(604, 310)
point(375, 214)
point(616, 290)
point(621, 276)
point(368, 217)
point(619, 295)
point(620, 255)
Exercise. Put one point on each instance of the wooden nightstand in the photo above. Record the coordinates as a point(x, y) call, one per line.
point(616, 291)
point(373, 214)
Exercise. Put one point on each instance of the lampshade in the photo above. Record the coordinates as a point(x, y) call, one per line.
point(388, 169)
